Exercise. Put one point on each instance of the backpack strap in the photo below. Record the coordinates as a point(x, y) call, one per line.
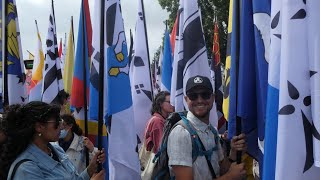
point(17, 166)
point(198, 148)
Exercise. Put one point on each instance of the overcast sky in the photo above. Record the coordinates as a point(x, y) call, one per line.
point(31, 10)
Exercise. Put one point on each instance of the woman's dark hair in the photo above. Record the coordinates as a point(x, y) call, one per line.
point(21, 120)
point(70, 120)
point(3, 124)
point(158, 100)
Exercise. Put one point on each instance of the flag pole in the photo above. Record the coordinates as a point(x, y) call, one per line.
point(146, 36)
point(101, 80)
point(72, 32)
point(85, 103)
point(237, 58)
point(4, 53)
point(131, 47)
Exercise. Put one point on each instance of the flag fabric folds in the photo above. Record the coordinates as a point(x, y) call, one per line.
point(52, 88)
point(190, 58)
point(271, 124)
point(17, 92)
point(37, 70)
point(63, 53)
point(140, 76)
point(226, 85)
point(69, 61)
point(166, 66)
point(81, 63)
point(295, 158)
point(314, 64)
point(123, 158)
point(156, 79)
point(217, 79)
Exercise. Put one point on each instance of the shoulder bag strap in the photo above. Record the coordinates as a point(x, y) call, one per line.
point(17, 166)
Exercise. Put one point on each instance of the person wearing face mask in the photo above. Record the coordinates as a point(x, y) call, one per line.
point(74, 144)
point(28, 152)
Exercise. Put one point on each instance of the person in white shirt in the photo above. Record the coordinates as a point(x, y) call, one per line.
point(74, 144)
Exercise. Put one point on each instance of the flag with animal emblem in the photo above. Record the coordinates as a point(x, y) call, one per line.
point(166, 67)
point(17, 92)
point(295, 158)
point(63, 53)
point(37, 70)
point(217, 78)
point(52, 88)
point(69, 61)
point(81, 67)
point(123, 158)
point(192, 59)
point(226, 85)
point(157, 74)
point(314, 63)
point(271, 124)
point(139, 76)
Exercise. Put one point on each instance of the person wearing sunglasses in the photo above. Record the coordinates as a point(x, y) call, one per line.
point(161, 108)
point(210, 162)
point(28, 152)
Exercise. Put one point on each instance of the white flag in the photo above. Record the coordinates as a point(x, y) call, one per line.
point(294, 146)
point(63, 54)
point(314, 63)
point(190, 58)
point(123, 157)
point(52, 82)
point(140, 76)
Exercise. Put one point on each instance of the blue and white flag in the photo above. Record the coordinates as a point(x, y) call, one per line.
point(17, 93)
point(140, 76)
point(271, 124)
point(123, 158)
point(295, 158)
point(166, 66)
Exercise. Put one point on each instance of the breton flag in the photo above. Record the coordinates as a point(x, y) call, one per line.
point(63, 53)
point(69, 61)
point(123, 158)
point(314, 64)
point(157, 74)
point(52, 89)
point(271, 124)
point(17, 92)
point(140, 76)
point(217, 78)
point(190, 57)
point(166, 66)
point(295, 158)
point(37, 70)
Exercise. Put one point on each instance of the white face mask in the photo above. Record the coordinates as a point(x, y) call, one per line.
point(63, 133)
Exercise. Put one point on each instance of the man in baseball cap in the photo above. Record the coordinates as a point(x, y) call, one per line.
point(200, 99)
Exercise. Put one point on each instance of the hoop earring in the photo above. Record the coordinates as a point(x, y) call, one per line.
point(39, 134)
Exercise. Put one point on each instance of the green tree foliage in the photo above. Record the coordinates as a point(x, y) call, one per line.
point(209, 8)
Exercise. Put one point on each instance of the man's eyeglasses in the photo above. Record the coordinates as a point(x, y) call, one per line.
point(204, 95)
point(57, 123)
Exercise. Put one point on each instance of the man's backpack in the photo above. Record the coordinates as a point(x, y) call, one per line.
point(161, 159)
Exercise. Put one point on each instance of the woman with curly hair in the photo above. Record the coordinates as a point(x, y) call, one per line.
point(28, 153)
point(73, 143)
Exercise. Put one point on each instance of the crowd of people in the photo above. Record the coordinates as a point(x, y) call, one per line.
point(37, 141)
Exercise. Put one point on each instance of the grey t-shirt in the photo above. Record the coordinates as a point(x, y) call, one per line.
point(180, 149)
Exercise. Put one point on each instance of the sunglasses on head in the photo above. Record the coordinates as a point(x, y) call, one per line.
point(203, 95)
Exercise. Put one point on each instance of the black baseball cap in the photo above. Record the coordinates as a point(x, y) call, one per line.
point(199, 81)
